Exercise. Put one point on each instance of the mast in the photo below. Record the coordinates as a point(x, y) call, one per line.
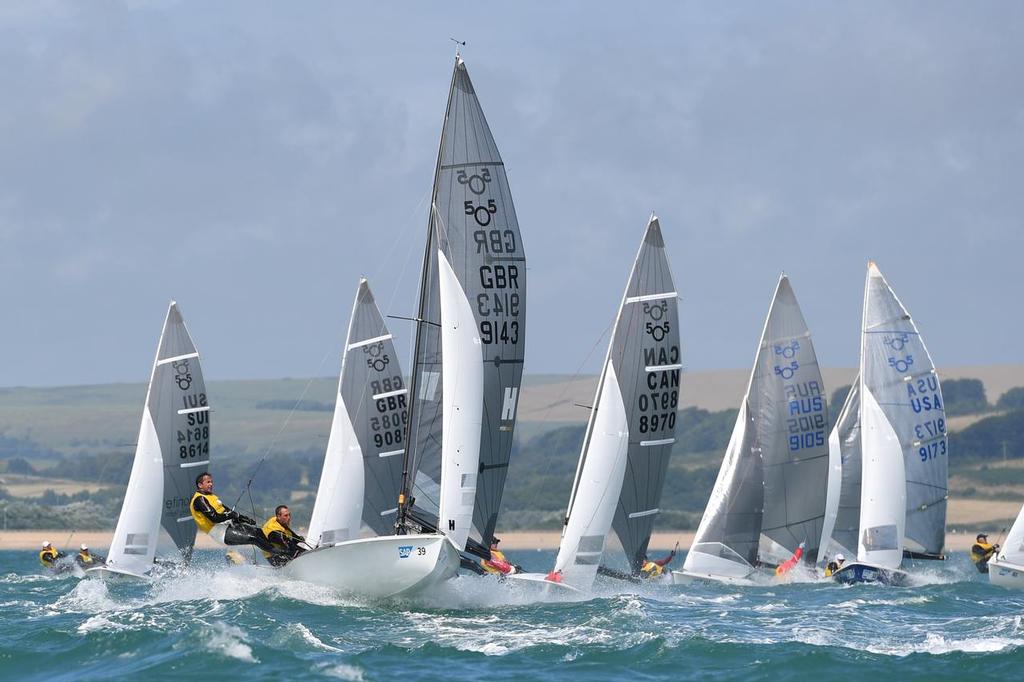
point(404, 500)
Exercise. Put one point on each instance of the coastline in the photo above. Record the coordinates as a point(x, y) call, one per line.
point(511, 541)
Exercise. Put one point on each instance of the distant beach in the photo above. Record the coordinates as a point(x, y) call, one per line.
point(513, 541)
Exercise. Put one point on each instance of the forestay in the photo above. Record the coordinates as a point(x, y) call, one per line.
point(362, 470)
point(649, 365)
point(773, 477)
point(640, 347)
point(173, 445)
point(472, 207)
point(899, 372)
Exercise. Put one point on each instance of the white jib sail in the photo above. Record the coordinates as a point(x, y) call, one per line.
point(133, 547)
point(598, 487)
point(835, 480)
point(338, 510)
point(462, 390)
point(1013, 548)
point(884, 488)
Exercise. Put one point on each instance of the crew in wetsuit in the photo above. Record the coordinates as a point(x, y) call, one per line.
point(85, 559)
point(221, 522)
point(653, 568)
point(285, 541)
point(833, 566)
point(981, 552)
point(792, 561)
point(49, 555)
point(497, 564)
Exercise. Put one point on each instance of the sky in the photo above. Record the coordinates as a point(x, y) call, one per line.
point(252, 160)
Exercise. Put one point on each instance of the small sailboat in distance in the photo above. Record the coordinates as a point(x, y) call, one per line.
point(362, 474)
point(769, 496)
point(173, 446)
point(634, 412)
point(903, 445)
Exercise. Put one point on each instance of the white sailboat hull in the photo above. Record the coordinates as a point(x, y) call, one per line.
point(115, 574)
point(685, 577)
point(863, 572)
point(380, 567)
point(1006, 574)
point(541, 583)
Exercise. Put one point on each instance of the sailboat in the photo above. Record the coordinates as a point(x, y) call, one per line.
point(470, 337)
point(1006, 568)
point(362, 474)
point(769, 496)
point(173, 446)
point(634, 414)
point(901, 424)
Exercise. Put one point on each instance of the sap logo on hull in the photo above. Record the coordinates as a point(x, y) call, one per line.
point(404, 551)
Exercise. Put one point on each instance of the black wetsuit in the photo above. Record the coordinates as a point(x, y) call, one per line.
point(240, 531)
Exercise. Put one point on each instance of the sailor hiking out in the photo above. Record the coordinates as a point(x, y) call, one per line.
point(832, 567)
point(285, 541)
point(498, 564)
point(85, 559)
point(654, 568)
point(221, 522)
point(981, 552)
point(48, 556)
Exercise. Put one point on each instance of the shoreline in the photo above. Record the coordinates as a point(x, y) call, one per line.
point(526, 540)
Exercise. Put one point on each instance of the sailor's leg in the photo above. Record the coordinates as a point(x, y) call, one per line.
point(244, 534)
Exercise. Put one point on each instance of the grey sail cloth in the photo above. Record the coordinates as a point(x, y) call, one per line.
point(376, 399)
point(647, 358)
point(774, 474)
point(903, 379)
point(180, 412)
point(472, 208)
point(788, 400)
point(847, 527)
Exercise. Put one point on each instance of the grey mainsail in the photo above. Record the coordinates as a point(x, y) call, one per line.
point(773, 477)
point(180, 411)
point(647, 356)
point(377, 401)
point(905, 384)
point(362, 471)
point(472, 207)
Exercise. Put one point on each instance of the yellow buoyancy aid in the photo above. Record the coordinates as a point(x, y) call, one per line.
point(85, 558)
point(47, 556)
point(651, 570)
point(205, 524)
point(272, 525)
point(493, 566)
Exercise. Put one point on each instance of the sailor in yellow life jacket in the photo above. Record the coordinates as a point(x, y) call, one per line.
point(981, 552)
point(222, 523)
point(85, 559)
point(49, 555)
point(279, 533)
point(832, 567)
point(655, 568)
point(497, 564)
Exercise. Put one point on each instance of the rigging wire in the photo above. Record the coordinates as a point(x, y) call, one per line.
point(558, 400)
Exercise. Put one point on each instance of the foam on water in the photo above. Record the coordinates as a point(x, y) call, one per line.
point(254, 623)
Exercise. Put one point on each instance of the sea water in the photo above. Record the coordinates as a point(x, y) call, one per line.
point(212, 622)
